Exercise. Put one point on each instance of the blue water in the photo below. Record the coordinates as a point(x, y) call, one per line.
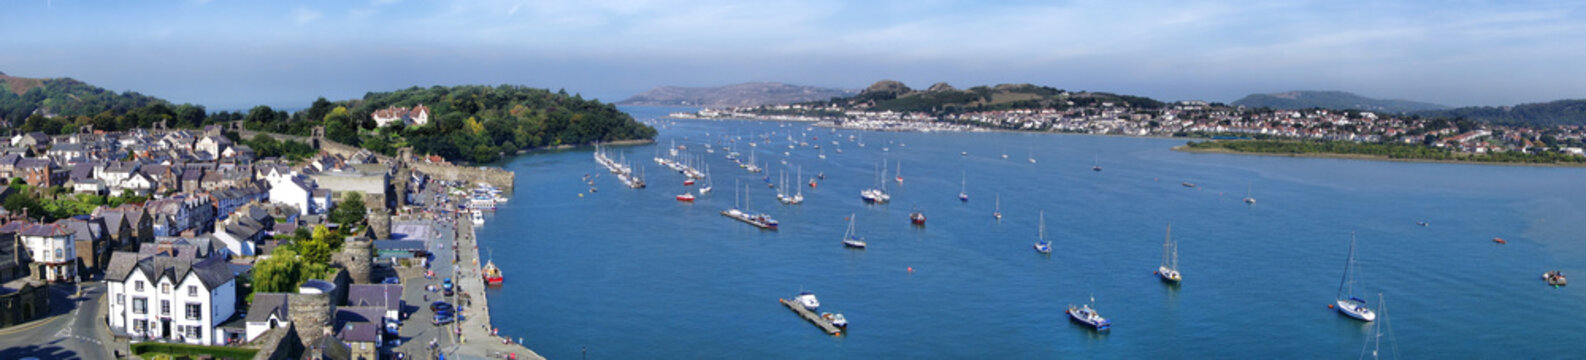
point(634, 274)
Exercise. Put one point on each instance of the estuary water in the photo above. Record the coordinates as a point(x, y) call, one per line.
point(629, 274)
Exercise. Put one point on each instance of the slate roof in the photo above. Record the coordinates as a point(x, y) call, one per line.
point(211, 271)
point(265, 304)
point(387, 296)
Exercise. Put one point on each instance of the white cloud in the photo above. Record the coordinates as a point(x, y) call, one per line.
point(303, 15)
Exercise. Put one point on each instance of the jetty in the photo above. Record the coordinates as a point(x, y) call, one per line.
point(824, 324)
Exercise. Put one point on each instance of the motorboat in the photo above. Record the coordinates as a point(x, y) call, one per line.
point(685, 197)
point(1555, 278)
point(1084, 314)
point(807, 300)
point(836, 319)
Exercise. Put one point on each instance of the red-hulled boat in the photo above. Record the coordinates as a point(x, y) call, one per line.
point(688, 182)
point(918, 218)
point(686, 197)
point(492, 274)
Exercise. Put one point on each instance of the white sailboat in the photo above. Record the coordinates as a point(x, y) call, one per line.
point(1348, 303)
point(1249, 199)
point(706, 189)
point(1374, 334)
point(998, 212)
point(877, 195)
point(851, 238)
point(1032, 156)
point(1169, 268)
point(900, 172)
point(1043, 246)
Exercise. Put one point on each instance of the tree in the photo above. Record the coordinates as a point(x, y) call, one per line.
point(339, 127)
point(282, 272)
point(350, 211)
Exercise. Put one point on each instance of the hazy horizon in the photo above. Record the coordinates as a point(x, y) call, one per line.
point(233, 55)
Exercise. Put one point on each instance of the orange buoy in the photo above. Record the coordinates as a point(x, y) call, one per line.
point(1329, 306)
point(911, 269)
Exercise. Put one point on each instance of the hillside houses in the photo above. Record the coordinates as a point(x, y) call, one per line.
point(416, 116)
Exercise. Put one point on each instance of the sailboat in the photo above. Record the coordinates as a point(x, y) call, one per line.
point(963, 188)
point(823, 154)
point(1375, 333)
point(1043, 246)
point(1095, 165)
point(877, 195)
point(900, 172)
point(998, 212)
point(1248, 199)
point(1004, 152)
point(1348, 304)
point(706, 189)
point(1032, 156)
point(851, 238)
point(1169, 269)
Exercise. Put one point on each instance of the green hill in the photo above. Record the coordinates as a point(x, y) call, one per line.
point(1560, 112)
point(470, 123)
point(64, 97)
point(943, 98)
point(1332, 100)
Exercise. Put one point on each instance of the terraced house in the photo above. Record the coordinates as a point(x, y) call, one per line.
point(171, 295)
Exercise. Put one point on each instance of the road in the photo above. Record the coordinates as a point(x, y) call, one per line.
point(75, 330)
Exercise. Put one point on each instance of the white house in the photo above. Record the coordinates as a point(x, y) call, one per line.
point(268, 311)
point(54, 248)
point(293, 191)
point(175, 297)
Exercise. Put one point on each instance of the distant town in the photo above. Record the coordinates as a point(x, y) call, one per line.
point(1189, 119)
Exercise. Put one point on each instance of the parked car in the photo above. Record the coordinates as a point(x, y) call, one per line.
point(443, 319)
point(392, 280)
point(439, 306)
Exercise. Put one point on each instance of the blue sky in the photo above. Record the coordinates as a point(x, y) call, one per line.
point(233, 54)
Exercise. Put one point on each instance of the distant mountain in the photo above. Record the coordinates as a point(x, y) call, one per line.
point(943, 98)
point(1333, 100)
point(1560, 112)
point(20, 97)
point(746, 94)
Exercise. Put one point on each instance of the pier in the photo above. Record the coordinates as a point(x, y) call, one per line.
point(812, 317)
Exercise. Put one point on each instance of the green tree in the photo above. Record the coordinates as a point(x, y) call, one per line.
point(350, 211)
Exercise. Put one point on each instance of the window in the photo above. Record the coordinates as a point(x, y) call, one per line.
point(141, 326)
point(192, 290)
point(165, 288)
point(60, 255)
point(165, 307)
point(193, 311)
point(140, 306)
point(121, 299)
point(138, 285)
point(195, 333)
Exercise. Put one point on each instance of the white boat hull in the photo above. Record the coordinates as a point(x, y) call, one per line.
point(1357, 311)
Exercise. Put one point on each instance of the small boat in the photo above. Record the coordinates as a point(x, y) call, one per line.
point(998, 212)
point(821, 175)
point(1095, 166)
point(1347, 302)
point(812, 183)
point(492, 274)
point(1554, 278)
point(917, 218)
point(688, 182)
point(1084, 314)
point(1500, 241)
point(478, 217)
point(1422, 223)
point(1032, 156)
point(1169, 268)
point(685, 197)
point(963, 153)
point(899, 174)
point(851, 238)
point(1188, 184)
point(1249, 199)
point(1041, 245)
point(836, 319)
point(963, 187)
point(808, 301)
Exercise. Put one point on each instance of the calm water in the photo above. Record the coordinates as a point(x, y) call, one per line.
point(634, 274)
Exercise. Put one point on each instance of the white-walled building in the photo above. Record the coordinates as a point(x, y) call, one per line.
point(170, 296)
point(295, 191)
point(53, 248)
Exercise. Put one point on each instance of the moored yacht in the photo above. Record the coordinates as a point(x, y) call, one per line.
point(1084, 314)
point(807, 300)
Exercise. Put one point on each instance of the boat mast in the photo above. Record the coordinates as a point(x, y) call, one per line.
point(1348, 266)
point(1167, 248)
point(1042, 230)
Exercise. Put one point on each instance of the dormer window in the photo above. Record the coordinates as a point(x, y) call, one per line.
point(165, 288)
